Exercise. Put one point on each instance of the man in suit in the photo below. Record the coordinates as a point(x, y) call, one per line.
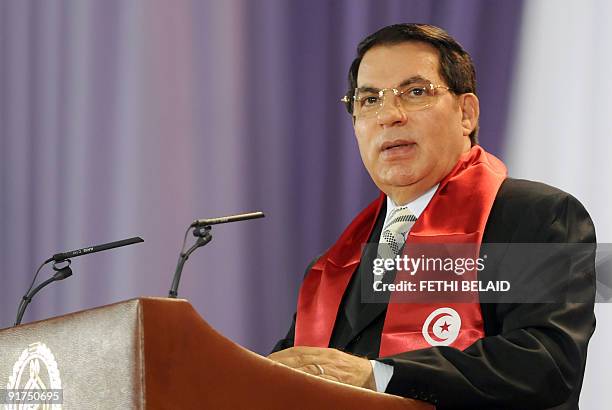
point(415, 115)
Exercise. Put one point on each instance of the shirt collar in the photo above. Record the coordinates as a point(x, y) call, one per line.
point(417, 206)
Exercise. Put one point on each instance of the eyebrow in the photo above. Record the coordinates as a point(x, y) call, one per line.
point(408, 81)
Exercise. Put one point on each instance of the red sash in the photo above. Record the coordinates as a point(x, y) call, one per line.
point(457, 213)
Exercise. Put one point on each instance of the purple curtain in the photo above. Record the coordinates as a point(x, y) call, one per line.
point(122, 118)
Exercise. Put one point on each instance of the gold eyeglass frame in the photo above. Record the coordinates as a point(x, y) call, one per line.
point(398, 93)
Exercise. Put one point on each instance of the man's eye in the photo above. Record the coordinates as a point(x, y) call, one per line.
point(368, 101)
point(416, 92)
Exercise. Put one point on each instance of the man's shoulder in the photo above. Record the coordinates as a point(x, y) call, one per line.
point(524, 196)
point(529, 206)
point(517, 190)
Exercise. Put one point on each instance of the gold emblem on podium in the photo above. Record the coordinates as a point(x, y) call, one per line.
point(35, 370)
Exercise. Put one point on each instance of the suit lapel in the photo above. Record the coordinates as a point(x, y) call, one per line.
point(372, 308)
point(359, 314)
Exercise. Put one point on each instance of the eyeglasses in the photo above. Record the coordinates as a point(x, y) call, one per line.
point(368, 103)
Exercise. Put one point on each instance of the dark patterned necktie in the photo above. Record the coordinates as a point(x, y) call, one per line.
point(393, 235)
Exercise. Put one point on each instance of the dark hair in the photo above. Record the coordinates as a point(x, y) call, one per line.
point(456, 66)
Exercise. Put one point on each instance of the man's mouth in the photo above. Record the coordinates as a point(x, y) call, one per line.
point(390, 145)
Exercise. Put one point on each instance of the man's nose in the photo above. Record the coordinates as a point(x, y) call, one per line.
point(391, 113)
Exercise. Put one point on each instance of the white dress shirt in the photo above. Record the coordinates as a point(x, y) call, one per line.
point(383, 372)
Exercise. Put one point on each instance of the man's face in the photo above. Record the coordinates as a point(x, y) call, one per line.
point(416, 149)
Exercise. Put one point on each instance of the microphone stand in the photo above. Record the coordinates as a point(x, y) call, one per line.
point(204, 236)
point(60, 274)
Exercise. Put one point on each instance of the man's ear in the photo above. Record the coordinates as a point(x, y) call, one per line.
point(470, 111)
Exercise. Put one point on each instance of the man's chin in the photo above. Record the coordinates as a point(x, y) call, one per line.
point(403, 185)
point(400, 180)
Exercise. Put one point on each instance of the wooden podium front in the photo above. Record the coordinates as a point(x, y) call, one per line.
point(154, 353)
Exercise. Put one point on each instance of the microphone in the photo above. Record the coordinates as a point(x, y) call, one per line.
point(203, 232)
point(65, 271)
point(58, 257)
point(227, 219)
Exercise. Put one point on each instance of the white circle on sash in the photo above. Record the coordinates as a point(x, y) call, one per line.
point(442, 326)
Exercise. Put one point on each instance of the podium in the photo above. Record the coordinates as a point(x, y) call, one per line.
point(156, 353)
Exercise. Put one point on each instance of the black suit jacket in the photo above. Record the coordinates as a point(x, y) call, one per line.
point(533, 355)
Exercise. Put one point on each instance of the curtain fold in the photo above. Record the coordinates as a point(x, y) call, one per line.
point(123, 118)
